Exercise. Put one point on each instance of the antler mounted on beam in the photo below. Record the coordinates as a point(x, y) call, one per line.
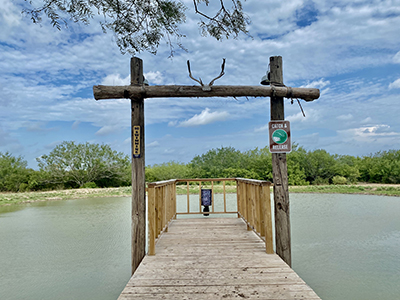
point(118, 92)
point(207, 87)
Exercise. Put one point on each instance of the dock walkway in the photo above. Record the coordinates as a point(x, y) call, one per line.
point(214, 258)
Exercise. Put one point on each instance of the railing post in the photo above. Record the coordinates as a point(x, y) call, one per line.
point(223, 184)
point(166, 206)
point(188, 196)
point(159, 211)
point(248, 206)
point(239, 198)
point(257, 192)
point(152, 220)
point(199, 196)
point(266, 212)
point(174, 201)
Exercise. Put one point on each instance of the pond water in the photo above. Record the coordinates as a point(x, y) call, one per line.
point(343, 246)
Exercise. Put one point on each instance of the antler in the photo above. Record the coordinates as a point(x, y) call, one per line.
point(190, 75)
point(220, 75)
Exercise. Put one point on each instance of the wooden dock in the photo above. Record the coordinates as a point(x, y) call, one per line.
point(213, 258)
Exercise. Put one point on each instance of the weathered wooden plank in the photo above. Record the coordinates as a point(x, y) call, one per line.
point(195, 260)
point(261, 289)
point(221, 292)
point(164, 91)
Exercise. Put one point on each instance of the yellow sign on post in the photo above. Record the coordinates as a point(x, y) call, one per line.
point(136, 141)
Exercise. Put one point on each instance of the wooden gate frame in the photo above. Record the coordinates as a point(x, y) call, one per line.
point(137, 92)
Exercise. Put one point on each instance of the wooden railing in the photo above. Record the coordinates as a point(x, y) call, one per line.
point(162, 209)
point(253, 205)
point(211, 180)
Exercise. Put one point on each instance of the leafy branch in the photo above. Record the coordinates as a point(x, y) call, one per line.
point(140, 25)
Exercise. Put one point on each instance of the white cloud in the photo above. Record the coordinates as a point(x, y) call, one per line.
point(75, 125)
point(205, 117)
point(153, 144)
point(172, 123)
point(115, 79)
point(345, 117)
point(262, 128)
point(366, 120)
point(319, 84)
point(395, 84)
point(9, 13)
point(369, 132)
point(312, 116)
point(106, 130)
point(396, 58)
point(154, 77)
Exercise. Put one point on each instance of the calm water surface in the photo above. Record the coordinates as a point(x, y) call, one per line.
point(344, 247)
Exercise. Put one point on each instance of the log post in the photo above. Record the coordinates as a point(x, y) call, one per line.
point(138, 169)
point(279, 172)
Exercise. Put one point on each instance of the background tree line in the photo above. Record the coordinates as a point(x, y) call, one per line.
point(73, 165)
point(304, 167)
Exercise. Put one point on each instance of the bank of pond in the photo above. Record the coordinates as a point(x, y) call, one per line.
point(343, 246)
point(28, 197)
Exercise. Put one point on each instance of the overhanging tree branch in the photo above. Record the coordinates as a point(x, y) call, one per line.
point(140, 25)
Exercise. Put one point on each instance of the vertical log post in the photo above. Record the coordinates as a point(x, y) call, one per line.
point(138, 165)
point(279, 172)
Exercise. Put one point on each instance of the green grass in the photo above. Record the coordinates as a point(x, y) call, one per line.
point(27, 197)
point(347, 189)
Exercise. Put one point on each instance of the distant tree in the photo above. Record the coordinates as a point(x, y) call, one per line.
point(74, 165)
point(259, 162)
point(213, 163)
point(141, 24)
point(319, 166)
point(347, 166)
point(295, 165)
point(382, 167)
point(13, 173)
point(165, 171)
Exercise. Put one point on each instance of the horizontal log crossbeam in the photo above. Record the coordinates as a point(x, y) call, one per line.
point(119, 92)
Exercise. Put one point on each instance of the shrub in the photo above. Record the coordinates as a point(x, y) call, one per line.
point(320, 181)
point(339, 180)
point(23, 187)
point(89, 185)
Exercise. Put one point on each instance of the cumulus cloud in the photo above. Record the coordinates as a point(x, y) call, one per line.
point(395, 84)
point(115, 79)
point(369, 132)
point(204, 118)
point(154, 77)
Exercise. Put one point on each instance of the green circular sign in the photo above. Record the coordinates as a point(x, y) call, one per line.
point(279, 136)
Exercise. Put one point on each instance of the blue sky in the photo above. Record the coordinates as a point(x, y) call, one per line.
point(350, 50)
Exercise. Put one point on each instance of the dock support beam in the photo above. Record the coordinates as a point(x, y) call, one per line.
point(279, 172)
point(138, 169)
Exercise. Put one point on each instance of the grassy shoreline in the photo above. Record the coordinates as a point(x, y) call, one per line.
point(29, 197)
